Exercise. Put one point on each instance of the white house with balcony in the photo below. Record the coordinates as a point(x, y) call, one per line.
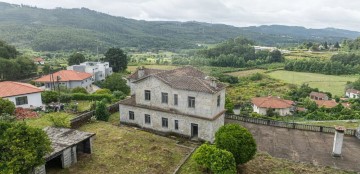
point(21, 94)
point(182, 101)
point(99, 70)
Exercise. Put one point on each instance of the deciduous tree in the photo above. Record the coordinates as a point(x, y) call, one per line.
point(76, 59)
point(117, 59)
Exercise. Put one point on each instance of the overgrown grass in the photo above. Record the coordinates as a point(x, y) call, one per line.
point(164, 67)
point(246, 72)
point(327, 83)
point(309, 55)
point(126, 150)
point(263, 163)
point(44, 119)
point(354, 124)
point(83, 105)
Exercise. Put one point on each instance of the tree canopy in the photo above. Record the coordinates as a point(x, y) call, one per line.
point(117, 59)
point(76, 59)
point(115, 82)
point(7, 51)
point(21, 147)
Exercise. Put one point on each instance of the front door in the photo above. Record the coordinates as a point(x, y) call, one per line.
point(194, 130)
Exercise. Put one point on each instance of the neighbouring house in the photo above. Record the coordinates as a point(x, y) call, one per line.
point(261, 105)
point(183, 101)
point(67, 78)
point(21, 94)
point(99, 70)
point(326, 103)
point(66, 145)
point(319, 96)
point(352, 93)
point(39, 61)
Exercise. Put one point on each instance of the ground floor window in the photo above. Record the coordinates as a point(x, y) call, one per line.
point(164, 122)
point(131, 115)
point(147, 119)
point(176, 125)
point(21, 100)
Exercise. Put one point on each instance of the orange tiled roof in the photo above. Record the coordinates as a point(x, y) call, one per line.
point(326, 103)
point(65, 75)
point(272, 102)
point(9, 88)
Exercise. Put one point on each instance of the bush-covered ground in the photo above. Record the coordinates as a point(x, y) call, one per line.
point(265, 164)
point(299, 54)
point(327, 83)
point(44, 119)
point(353, 124)
point(246, 72)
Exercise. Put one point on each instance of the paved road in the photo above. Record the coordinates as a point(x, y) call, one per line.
point(304, 146)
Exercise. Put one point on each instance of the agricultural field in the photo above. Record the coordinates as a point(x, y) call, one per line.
point(300, 54)
point(123, 149)
point(264, 163)
point(327, 83)
point(246, 72)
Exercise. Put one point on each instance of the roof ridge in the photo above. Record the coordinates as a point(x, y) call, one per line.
point(24, 84)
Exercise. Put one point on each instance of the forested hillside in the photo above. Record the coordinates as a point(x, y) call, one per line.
point(84, 29)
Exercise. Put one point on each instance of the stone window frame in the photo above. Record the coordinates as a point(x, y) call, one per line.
point(164, 97)
point(131, 115)
point(191, 102)
point(23, 100)
point(147, 95)
point(176, 124)
point(147, 119)
point(164, 122)
point(218, 100)
point(176, 100)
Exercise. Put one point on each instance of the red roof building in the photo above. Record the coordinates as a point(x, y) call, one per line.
point(21, 94)
point(326, 103)
point(65, 76)
point(262, 104)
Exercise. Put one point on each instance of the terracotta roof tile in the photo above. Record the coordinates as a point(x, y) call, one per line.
point(272, 102)
point(9, 88)
point(66, 75)
point(326, 103)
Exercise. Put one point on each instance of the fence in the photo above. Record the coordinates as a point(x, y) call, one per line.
point(314, 128)
point(85, 117)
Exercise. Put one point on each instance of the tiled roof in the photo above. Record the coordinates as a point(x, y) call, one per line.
point(326, 103)
point(318, 94)
point(38, 59)
point(147, 72)
point(66, 75)
point(353, 91)
point(272, 102)
point(9, 88)
point(132, 102)
point(187, 78)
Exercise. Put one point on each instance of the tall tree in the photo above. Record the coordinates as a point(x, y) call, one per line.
point(7, 51)
point(76, 59)
point(117, 59)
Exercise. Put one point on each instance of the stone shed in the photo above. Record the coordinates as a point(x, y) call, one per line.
point(66, 145)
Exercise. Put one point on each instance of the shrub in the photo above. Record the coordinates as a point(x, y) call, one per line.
point(5, 117)
point(101, 112)
point(98, 97)
point(102, 91)
point(237, 140)
point(65, 98)
point(79, 90)
point(115, 82)
point(60, 120)
point(49, 96)
point(6, 106)
point(119, 95)
point(229, 106)
point(23, 113)
point(217, 160)
point(256, 77)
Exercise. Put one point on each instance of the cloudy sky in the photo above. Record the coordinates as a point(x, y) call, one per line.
point(308, 13)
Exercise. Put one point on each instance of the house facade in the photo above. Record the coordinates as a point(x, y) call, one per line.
point(319, 96)
point(39, 61)
point(99, 70)
point(21, 94)
point(182, 101)
point(67, 78)
point(352, 93)
point(261, 105)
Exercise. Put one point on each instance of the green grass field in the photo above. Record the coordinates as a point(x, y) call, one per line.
point(327, 83)
point(165, 67)
point(246, 72)
point(347, 124)
point(44, 119)
point(299, 54)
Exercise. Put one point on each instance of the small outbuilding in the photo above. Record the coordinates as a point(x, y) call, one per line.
point(261, 105)
point(319, 96)
point(352, 93)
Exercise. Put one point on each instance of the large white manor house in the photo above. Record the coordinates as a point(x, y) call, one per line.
point(183, 101)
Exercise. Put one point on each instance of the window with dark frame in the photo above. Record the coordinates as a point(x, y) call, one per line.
point(175, 99)
point(191, 102)
point(164, 122)
point(164, 97)
point(147, 95)
point(131, 115)
point(176, 125)
point(147, 119)
point(21, 100)
point(218, 100)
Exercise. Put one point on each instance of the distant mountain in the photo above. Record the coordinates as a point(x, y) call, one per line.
point(84, 29)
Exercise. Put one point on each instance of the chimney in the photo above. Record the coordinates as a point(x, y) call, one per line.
point(141, 72)
point(213, 82)
point(338, 141)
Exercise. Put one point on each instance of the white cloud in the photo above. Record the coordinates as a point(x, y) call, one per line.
point(308, 13)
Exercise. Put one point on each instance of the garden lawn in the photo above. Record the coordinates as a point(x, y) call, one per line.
point(264, 164)
point(44, 119)
point(246, 72)
point(327, 83)
point(126, 150)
